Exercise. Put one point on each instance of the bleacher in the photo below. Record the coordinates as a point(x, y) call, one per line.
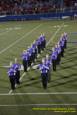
point(18, 7)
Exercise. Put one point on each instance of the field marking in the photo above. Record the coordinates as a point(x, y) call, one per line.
point(57, 26)
point(2, 33)
point(9, 29)
point(51, 39)
point(18, 40)
point(22, 76)
point(38, 93)
point(10, 91)
point(14, 28)
point(23, 105)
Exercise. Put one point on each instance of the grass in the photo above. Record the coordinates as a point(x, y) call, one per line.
point(63, 80)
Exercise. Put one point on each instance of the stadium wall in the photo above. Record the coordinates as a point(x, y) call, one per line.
point(45, 16)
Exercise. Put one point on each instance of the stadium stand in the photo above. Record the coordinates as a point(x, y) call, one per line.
point(17, 7)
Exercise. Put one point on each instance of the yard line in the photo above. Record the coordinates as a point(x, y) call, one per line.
point(51, 39)
point(23, 105)
point(18, 40)
point(10, 91)
point(2, 33)
point(22, 76)
point(39, 93)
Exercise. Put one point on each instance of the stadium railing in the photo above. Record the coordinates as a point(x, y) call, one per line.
point(42, 16)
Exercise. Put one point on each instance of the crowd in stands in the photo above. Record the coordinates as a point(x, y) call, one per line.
point(32, 6)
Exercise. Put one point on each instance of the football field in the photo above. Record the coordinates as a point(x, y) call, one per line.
point(30, 98)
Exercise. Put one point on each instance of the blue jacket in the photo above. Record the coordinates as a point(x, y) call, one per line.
point(11, 72)
point(25, 56)
point(43, 68)
point(16, 66)
point(61, 43)
point(54, 56)
point(48, 62)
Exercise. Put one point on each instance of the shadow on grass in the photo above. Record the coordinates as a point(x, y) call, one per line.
point(3, 80)
point(32, 79)
point(31, 82)
point(67, 67)
point(63, 83)
point(69, 60)
point(67, 80)
point(68, 54)
point(53, 83)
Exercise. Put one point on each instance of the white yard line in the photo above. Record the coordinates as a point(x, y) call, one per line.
point(40, 93)
point(18, 40)
point(10, 91)
point(53, 36)
point(2, 33)
point(8, 30)
point(22, 76)
point(24, 105)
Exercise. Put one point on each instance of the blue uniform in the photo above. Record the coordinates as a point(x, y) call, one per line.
point(65, 40)
point(17, 67)
point(58, 50)
point(34, 52)
point(43, 68)
point(38, 42)
point(34, 46)
point(41, 40)
point(54, 56)
point(25, 58)
point(11, 74)
point(30, 53)
point(59, 54)
point(44, 74)
point(49, 64)
point(44, 41)
point(61, 43)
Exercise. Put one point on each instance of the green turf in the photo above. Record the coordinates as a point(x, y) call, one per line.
point(63, 80)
